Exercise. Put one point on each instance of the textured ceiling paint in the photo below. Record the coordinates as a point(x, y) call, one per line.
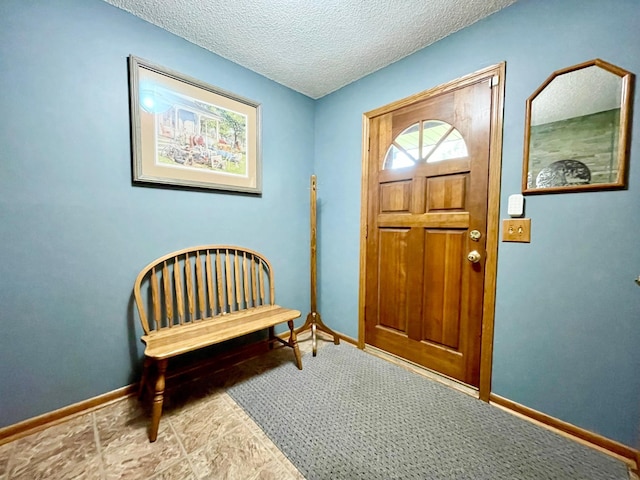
point(312, 46)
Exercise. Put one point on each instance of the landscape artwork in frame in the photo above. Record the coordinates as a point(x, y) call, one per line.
point(187, 133)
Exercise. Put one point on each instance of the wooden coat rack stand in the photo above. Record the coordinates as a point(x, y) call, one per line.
point(314, 320)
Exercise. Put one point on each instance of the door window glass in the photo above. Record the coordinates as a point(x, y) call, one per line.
point(427, 141)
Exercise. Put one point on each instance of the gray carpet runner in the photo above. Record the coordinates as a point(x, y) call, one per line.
point(350, 415)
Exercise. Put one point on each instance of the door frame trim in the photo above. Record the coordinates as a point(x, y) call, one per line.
point(493, 207)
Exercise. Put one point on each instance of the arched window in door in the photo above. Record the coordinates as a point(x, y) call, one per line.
point(428, 141)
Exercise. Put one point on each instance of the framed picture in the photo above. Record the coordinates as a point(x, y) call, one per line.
point(187, 133)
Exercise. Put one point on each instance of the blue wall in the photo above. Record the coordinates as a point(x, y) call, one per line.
point(74, 230)
point(567, 324)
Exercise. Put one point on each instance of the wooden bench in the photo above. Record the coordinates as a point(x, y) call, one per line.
point(198, 297)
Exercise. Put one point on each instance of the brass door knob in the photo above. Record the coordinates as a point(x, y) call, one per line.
point(474, 256)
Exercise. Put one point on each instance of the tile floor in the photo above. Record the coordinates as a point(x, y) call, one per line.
point(203, 434)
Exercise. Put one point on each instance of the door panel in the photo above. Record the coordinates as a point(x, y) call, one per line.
point(446, 193)
point(394, 278)
point(423, 297)
point(443, 285)
point(395, 196)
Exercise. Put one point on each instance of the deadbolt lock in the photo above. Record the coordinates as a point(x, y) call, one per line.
point(475, 235)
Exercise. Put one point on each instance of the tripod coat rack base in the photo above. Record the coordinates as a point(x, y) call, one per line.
point(314, 320)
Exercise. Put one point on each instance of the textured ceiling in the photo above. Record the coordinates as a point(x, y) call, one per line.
point(312, 46)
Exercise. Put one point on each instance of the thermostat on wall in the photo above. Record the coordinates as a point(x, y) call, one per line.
point(515, 207)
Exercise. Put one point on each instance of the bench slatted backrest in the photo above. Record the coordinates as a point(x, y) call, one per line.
point(197, 283)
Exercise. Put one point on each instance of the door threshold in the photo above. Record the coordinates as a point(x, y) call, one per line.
point(425, 372)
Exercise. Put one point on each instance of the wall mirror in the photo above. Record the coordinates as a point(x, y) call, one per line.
point(577, 130)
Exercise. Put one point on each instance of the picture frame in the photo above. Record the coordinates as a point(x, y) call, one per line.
point(187, 133)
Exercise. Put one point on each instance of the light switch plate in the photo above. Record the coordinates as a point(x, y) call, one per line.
point(516, 230)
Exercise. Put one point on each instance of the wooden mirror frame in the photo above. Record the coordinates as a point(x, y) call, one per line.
point(623, 138)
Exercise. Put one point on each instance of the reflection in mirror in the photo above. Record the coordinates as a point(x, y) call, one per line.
point(440, 141)
point(577, 130)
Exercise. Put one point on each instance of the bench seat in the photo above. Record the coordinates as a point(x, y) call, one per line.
point(200, 296)
point(209, 331)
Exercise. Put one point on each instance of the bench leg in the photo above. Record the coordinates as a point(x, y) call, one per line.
point(293, 343)
point(158, 398)
point(272, 337)
point(143, 379)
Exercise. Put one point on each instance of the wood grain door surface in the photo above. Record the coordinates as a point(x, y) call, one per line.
point(427, 193)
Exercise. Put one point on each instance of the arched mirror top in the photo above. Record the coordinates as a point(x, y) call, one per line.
point(577, 130)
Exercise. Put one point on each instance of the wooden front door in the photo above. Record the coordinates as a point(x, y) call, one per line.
point(426, 229)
